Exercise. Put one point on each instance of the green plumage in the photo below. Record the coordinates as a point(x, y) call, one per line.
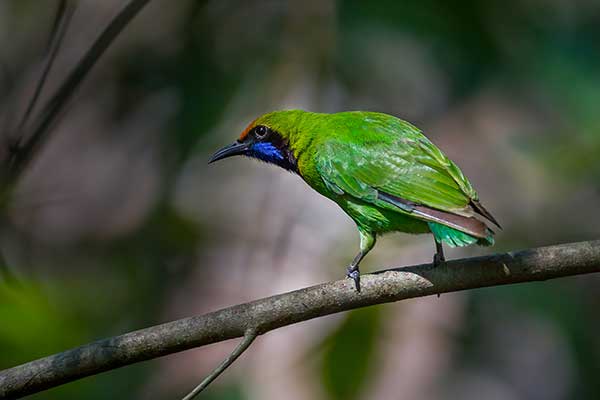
point(383, 172)
point(349, 156)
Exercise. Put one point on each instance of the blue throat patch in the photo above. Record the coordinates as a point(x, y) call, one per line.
point(267, 152)
point(273, 154)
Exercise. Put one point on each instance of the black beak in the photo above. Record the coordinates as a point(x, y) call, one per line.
point(234, 149)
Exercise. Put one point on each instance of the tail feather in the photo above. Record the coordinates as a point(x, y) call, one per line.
point(480, 209)
point(461, 230)
point(469, 225)
point(455, 238)
point(451, 237)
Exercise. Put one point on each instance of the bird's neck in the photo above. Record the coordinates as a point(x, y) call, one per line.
point(292, 149)
point(302, 134)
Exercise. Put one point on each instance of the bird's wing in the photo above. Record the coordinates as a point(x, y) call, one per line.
point(407, 172)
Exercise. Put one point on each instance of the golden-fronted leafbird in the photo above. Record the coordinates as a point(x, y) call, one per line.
point(382, 171)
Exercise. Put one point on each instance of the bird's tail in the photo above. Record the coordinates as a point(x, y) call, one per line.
point(454, 229)
point(456, 238)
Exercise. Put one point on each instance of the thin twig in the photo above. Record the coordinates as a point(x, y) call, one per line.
point(247, 340)
point(274, 312)
point(58, 101)
point(60, 26)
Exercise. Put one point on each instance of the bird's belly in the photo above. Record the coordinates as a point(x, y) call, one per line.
point(379, 220)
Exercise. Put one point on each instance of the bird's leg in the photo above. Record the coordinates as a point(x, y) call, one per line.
point(353, 271)
point(367, 241)
point(438, 257)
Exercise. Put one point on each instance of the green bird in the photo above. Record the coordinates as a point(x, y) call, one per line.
point(382, 171)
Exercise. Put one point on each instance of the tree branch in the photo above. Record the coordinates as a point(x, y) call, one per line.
point(274, 312)
point(59, 29)
point(243, 346)
point(57, 102)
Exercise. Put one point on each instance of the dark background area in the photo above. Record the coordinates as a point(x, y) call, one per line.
point(119, 223)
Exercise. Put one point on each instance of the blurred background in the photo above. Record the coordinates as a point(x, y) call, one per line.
point(118, 222)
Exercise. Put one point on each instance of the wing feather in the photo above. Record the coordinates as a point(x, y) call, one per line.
point(405, 166)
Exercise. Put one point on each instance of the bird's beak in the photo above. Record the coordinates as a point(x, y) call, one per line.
point(234, 149)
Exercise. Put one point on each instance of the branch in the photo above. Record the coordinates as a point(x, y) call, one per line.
point(243, 346)
point(59, 29)
point(289, 308)
point(58, 101)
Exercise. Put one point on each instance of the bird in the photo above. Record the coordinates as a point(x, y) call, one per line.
point(383, 172)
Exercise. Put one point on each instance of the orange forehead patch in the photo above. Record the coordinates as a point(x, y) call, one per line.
point(247, 130)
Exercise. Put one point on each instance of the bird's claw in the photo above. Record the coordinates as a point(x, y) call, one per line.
point(354, 274)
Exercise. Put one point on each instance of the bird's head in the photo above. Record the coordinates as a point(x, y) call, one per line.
point(268, 138)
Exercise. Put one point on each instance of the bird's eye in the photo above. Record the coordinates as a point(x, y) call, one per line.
point(261, 132)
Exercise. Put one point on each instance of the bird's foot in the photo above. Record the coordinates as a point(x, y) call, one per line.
point(354, 274)
point(438, 260)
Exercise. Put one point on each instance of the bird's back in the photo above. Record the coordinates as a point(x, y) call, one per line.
point(377, 161)
point(379, 149)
